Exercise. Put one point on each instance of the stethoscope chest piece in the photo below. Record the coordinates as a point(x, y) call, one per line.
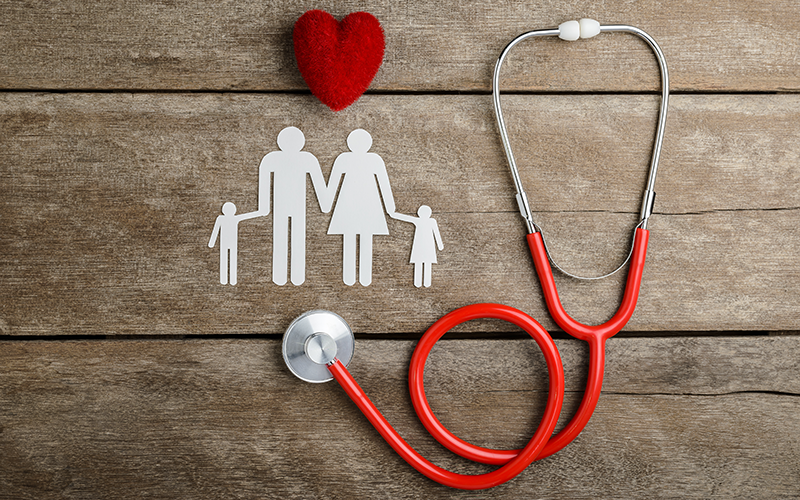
point(315, 339)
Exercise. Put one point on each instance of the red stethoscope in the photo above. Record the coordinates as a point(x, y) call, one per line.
point(318, 345)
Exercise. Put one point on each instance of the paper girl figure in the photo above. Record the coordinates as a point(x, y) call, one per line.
point(426, 239)
point(359, 212)
point(227, 227)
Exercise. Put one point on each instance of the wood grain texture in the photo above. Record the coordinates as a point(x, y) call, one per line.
point(108, 197)
point(246, 45)
point(687, 417)
point(108, 202)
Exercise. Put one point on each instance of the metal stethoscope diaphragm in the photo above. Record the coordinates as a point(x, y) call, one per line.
point(314, 340)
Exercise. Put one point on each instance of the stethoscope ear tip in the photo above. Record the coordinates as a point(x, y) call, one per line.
point(315, 339)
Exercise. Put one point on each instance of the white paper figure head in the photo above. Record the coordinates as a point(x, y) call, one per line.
point(424, 211)
point(291, 139)
point(359, 141)
point(228, 208)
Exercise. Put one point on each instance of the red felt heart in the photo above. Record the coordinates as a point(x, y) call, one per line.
point(338, 60)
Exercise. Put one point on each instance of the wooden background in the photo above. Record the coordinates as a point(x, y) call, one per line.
point(128, 371)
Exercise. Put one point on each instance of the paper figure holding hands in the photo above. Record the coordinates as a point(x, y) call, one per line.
point(359, 213)
point(290, 166)
point(426, 239)
point(227, 228)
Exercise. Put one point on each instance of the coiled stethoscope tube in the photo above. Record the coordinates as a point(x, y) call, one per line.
point(310, 330)
point(318, 344)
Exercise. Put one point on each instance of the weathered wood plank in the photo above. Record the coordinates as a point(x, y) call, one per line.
point(711, 272)
point(684, 417)
point(576, 153)
point(109, 200)
point(731, 46)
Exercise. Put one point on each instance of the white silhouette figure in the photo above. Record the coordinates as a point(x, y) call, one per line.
point(290, 166)
point(227, 227)
point(426, 239)
point(358, 211)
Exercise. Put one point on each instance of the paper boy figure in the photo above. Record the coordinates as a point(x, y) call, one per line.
point(227, 227)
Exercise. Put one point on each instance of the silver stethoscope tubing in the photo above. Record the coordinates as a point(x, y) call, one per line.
point(649, 193)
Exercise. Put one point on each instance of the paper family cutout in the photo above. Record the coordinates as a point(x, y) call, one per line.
point(358, 214)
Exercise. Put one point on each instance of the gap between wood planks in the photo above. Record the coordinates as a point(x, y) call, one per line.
point(655, 92)
point(623, 212)
point(391, 336)
point(696, 394)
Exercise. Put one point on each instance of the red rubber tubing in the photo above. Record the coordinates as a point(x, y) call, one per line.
point(594, 335)
point(521, 458)
point(564, 320)
point(512, 461)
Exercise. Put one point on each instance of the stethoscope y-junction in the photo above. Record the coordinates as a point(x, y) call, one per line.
point(318, 345)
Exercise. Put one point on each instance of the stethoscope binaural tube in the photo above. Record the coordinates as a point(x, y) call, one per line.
point(595, 336)
point(572, 30)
